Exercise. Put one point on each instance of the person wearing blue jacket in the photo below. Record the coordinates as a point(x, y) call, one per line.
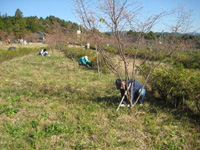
point(137, 87)
point(84, 61)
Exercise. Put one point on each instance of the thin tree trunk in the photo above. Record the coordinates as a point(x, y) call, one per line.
point(98, 66)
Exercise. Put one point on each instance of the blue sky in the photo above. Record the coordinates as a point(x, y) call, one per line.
point(39, 8)
point(64, 8)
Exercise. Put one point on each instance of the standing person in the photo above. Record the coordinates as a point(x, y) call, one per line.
point(137, 87)
point(84, 61)
point(87, 46)
point(44, 52)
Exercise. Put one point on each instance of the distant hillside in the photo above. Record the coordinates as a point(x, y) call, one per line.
point(19, 25)
point(159, 33)
point(179, 34)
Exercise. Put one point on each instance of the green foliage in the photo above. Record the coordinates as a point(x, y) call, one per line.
point(20, 25)
point(110, 49)
point(150, 36)
point(32, 24)
point(8, 111)
point(77, 53)
point(9, 23)
point(176, 85)
point(55, 129)
point(2, 24)
point(18, 13)
point(132, 33)
point(188, 59)
point(14, 130)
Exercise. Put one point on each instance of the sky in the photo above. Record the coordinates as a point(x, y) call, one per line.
point(63, 9)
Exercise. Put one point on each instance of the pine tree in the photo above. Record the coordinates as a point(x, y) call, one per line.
point(18, 13)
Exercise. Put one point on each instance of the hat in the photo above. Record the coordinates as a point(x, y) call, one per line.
point(118, 83)
point(86, 58)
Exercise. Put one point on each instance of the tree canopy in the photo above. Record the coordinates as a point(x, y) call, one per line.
point(20, 25)
point(18, 13)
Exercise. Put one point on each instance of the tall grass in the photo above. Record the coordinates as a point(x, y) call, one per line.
point(46, 105)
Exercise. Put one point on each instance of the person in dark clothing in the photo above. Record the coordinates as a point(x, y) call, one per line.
point(137, 87)
point(10, 48)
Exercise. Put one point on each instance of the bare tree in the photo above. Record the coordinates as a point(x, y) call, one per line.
point(59, 40)
point(57, 37)
point(118, 16)
point(90, 23)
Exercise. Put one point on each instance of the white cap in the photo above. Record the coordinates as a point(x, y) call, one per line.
point(86, 58)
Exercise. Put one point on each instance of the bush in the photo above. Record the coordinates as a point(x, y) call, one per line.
point(177, 85)
point(110, 49)
point(77, 53)
point(189, 59)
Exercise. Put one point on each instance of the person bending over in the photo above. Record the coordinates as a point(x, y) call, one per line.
point(44, 52)
point(137, 87)
point(84, 61)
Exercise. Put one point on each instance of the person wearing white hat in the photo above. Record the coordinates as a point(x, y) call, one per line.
point(84, 61)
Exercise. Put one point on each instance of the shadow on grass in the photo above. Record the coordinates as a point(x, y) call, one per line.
point(156, 104)
point(178, 113)
point(87, 68)
point(108, 102)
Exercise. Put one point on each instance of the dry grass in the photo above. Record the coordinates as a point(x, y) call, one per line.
point(4, 46)
point(62, 109)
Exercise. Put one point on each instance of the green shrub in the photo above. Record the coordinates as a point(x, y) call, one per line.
point(110, 49)
point(189, 59)
point(177, 85)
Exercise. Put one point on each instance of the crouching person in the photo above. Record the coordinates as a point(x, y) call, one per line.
point(137, 87)
point(84, 61)
point(44, 52)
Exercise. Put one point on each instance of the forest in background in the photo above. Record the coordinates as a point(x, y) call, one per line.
point(53, 103)
point(18, 26)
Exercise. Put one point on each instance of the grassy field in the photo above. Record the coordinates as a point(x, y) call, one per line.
point(44, 104)
point(4, 46)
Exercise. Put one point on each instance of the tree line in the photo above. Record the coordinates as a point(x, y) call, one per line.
point(18, 25)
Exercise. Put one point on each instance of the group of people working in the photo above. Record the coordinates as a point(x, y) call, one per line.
point(137, 88)
point(82, 61)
